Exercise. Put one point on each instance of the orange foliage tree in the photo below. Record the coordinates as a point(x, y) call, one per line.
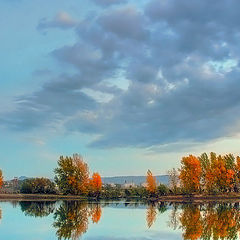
point(223, 173)
point(96, 184)
point(151, 184)
point(190, 174)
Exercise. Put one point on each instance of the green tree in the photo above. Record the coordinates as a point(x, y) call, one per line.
point(162, 189)
point(38, 185)
point(72, 175)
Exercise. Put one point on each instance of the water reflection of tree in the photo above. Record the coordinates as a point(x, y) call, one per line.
point(37, 209)
point(151, 213)
point(96, 213)
point(14, 203)
point(191, 222)
point(162, 207)
point(71, 219)
point(174, 216)
point(220, 221)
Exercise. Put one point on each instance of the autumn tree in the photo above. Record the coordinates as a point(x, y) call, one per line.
point(224, 173)
point(1, 178)
point(151, 184)
point(237, 175)
point(96, 184)
point(72, 175)
point(208, 169)
point(190, 174)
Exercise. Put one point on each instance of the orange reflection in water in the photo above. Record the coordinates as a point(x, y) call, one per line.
point(72, 219)
point(96, 213)
point(220, 221)
point(151, 215)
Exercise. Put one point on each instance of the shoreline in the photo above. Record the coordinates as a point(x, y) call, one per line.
point(168, 198)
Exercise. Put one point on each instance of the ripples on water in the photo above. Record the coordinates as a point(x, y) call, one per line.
point(118, 220)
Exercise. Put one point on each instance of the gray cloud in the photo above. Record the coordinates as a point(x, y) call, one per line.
point(62, 20)
point(125, 22)
point(182, 65)
point(52, 104)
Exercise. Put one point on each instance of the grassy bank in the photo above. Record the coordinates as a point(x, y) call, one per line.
point(34, 197)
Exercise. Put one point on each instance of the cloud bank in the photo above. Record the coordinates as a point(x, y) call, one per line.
point(167, 72)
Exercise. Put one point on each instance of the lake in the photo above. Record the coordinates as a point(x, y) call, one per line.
point(118, 220)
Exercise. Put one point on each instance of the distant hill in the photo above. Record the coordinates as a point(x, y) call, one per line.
point(133, 179)
point(22, 178)
point(124, 179)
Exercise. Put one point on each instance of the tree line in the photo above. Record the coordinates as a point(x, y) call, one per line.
point(206, 174)
point(210, 173)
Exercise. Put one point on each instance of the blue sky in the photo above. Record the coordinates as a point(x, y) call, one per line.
point(130, 85)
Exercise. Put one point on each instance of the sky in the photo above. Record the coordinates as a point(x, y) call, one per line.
point(130, 85)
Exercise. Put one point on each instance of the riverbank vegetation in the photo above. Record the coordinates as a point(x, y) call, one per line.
point(204, 175)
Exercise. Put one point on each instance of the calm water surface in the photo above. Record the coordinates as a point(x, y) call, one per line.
point(118, 220)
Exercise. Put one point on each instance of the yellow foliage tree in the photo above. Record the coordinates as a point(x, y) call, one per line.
point(151, 184)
